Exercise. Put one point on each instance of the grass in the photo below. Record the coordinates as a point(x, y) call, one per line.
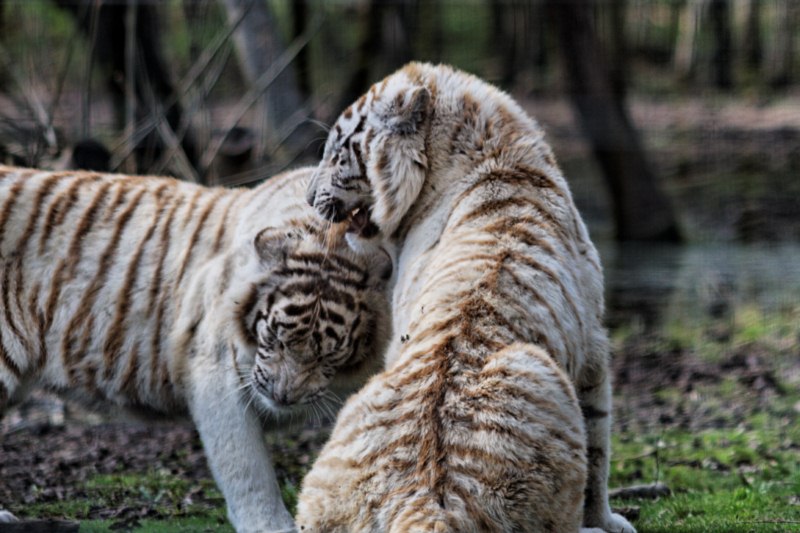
point(741, 479)
point(177, 525)
point(730, 453)
point(153, 502)
point(733, 460)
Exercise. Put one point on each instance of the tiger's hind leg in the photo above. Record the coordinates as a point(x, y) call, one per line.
point(595, 401)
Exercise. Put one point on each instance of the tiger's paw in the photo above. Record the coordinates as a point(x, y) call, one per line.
point(6, 517)
point(614, 523)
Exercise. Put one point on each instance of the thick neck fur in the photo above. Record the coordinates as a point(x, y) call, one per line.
point(472, 128)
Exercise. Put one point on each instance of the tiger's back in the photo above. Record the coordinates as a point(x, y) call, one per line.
point(85, 258)
point(93, 268)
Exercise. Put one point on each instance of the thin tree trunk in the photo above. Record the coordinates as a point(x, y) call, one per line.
point(153, 85)
point(258, 45)
point(641, 210)
point(3, 79)
point(722, 57)
point(303, 65)
point(367, 52)
point(782, 60)
point(430, 42)
point(685, 60)
point(752, 51)
point(399, 23)
point(619, 47)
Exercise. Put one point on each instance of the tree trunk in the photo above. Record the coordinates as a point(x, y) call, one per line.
point(399, 24)
point(258, 45)
point(782, 60)
point(641, 210)
point(367, 52)
point(685, 61)
point(430, 42)
point(619, 49)
point(752, 51)
point(3, 79)
point(722, 57)
point(152, 82)
point(302, 62)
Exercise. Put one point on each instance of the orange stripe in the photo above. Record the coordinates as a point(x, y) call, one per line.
point(7, 360)
point(6, 298)
point(61, 206)
point(222, 226)
point(188, 256)
point(118, 331)
point(8, 206)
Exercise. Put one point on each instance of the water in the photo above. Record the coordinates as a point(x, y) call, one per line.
point(649, 284)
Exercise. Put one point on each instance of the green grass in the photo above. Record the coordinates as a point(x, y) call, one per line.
point(722, 479)
point(175, 525)
point(167, 498)
point(740, 472)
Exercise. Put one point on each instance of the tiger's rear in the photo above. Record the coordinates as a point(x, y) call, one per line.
point(499, 448)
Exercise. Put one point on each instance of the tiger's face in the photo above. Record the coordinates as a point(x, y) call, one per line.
point(375, 163)
point(322, 312)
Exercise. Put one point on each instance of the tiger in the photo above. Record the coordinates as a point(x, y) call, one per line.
point(492, 411)
point(159, 296)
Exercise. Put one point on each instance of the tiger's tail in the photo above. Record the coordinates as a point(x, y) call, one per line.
point(422, 515)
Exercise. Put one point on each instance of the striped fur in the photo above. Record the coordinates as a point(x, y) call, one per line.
point(158, 295)
point(474, 426)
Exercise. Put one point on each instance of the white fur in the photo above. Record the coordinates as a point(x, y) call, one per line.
point(207, 369)
point(470, 130)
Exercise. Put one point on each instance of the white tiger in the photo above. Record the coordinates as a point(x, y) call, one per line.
point(472, 427)
point(161, 296)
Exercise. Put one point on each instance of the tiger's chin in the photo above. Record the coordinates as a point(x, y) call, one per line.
point(268, 406)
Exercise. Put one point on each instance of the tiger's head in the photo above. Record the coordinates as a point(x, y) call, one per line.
point(375, 160)
point(321, 311)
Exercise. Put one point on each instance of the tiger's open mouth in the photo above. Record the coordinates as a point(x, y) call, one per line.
point(360, 222)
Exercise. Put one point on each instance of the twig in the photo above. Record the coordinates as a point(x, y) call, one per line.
point(123, 149)
point(86, 94)
point(131, 15)
point(261, 84)
point(193, 106)
point(650, 491)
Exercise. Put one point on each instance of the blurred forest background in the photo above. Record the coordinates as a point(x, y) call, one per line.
point(677, 124)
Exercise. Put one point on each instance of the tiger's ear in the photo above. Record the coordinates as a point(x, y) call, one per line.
point(273, 244)
point(410, 110)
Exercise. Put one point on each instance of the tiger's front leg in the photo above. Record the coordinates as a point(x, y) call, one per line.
point(595, 400)
point(236, 452)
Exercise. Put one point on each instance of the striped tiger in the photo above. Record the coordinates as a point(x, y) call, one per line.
point(157, 295)
point(492, 413)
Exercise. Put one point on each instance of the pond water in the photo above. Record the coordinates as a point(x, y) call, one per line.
point(650, 284)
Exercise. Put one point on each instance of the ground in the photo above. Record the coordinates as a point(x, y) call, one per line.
point(706, 401)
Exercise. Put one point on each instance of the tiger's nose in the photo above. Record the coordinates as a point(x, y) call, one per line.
point(284, 397)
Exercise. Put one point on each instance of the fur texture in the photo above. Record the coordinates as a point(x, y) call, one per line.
point(499, 295)
point(161, 296)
